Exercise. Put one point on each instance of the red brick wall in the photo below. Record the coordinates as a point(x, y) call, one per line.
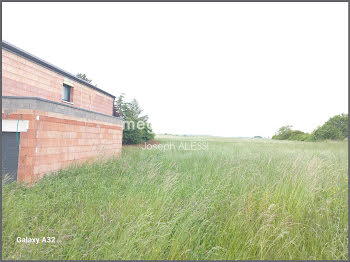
point(54, 141)
point(21, 77)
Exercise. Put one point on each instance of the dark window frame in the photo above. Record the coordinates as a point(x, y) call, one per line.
point(69, 88)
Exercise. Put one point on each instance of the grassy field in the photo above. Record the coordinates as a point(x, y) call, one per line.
point(237, 199)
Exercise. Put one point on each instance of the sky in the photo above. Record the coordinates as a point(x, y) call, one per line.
point(222, 69)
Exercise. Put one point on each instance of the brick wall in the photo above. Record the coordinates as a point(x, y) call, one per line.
point(21, 77)
point(54, 141)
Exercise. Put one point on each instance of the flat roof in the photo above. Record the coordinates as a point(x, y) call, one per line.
point(20, 52)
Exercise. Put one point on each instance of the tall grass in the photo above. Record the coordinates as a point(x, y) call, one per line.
point(240, 199)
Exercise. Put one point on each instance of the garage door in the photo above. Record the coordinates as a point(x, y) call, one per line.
point(10, 150)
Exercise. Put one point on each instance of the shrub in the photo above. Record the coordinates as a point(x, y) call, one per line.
point(299, 136)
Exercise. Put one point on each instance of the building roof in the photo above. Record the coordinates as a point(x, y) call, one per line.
point(20, 52)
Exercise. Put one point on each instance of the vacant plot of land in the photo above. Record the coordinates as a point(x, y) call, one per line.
point(234, 199)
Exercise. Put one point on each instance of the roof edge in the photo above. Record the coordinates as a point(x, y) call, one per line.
point(7, 46)
point(57, 103)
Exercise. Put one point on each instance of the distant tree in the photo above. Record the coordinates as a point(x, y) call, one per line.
point(283, 133)
point(299, 136)
point(137, 129)
point(84, 77)
point(336, 128)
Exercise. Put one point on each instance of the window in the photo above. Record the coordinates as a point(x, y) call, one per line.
point(66, 93)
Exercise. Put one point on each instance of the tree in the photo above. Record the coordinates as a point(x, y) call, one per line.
point(336, 128)
point(84, 77)
point(137, 129)
point(283, 133)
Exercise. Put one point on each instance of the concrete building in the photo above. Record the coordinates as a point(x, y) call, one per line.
point(51, 118)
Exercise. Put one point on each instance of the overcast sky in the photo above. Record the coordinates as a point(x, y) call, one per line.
point(226, 69)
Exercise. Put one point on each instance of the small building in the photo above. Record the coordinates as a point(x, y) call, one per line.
point(51, 118)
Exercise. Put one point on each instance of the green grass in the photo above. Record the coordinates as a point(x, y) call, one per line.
point(240, 199)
